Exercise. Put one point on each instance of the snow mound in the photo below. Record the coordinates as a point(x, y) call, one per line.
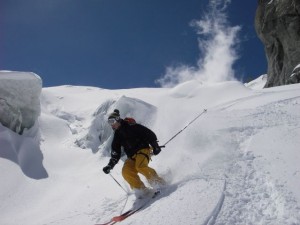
point(99, 132)
point(218, 92)
point(24, 151)
point(19, 99)
point(258, 83)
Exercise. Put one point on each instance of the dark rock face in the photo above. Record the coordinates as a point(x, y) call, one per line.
point(277, 24)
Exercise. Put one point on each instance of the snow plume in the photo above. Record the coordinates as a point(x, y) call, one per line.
point(217, 44)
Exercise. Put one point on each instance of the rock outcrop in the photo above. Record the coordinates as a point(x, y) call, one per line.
point(277, 24)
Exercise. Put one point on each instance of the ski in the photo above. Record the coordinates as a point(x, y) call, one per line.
point(130, 212)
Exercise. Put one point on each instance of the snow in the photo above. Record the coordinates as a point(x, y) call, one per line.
point(258, 83)
point(295, 73)
point(238, 163)
point(19, 99)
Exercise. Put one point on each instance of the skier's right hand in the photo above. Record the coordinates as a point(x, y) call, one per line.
point(107, 169)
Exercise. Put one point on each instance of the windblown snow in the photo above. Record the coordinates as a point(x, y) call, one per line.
point(238, 163)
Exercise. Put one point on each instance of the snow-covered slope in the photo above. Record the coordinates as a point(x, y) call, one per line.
point(236, 164)
point(258, 83)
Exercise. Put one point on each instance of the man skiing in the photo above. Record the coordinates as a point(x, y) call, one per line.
point(135, 139)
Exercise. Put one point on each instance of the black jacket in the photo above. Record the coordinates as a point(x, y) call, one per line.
point(132, 137)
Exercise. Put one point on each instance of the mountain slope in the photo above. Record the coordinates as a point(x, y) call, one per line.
point(236, 164)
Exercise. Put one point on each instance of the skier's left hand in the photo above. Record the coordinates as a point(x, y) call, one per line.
point(156, 150)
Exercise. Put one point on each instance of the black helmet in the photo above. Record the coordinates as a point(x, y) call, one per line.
point(115, 115)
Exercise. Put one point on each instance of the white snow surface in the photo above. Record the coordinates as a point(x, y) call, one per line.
point(238, 163)
point(258, 83)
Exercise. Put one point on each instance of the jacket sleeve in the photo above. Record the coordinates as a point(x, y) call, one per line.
point(146, 135)
point(115, 151)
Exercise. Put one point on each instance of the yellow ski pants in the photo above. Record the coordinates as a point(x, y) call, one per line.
point(139, 164)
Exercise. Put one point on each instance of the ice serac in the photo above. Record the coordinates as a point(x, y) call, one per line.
point(19, 99)
point(100, 133)
point(277, 24)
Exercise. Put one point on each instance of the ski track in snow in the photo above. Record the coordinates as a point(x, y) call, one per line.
point(251, 194)
point(211, 219)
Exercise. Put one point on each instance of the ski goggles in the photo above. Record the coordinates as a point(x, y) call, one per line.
point(111, 121)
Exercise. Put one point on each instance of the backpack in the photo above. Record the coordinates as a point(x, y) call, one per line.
point(130, 120)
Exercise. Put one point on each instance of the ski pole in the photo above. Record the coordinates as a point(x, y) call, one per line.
point(204, 111)
point(118, 183)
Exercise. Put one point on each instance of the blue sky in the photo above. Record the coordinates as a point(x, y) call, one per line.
point(117, 43)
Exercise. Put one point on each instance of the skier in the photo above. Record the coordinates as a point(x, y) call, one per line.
point(135, 139)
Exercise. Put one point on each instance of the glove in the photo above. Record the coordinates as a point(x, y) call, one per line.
point(156, 150)
point(110, 166)
point(107, 169)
